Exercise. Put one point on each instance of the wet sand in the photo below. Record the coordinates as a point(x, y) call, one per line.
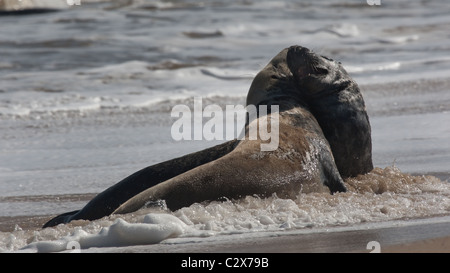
point(415, 236)
point(405, 236)
point(29, 222)
point(436, 245)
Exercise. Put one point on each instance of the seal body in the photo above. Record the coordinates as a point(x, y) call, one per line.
point(303, 160)
point(324, 133)
point(338, 105)
point(109, 200)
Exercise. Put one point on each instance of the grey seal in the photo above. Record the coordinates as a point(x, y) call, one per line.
point(316, 98)
point(303, 160)
point(338, 105)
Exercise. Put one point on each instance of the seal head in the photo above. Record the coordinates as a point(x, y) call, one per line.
point(337, 103)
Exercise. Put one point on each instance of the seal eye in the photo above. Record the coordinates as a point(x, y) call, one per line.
point(327, 58)
point(321, 71)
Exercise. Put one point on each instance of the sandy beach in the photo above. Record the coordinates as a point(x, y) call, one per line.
point(400, 237)
point(430, 235)
point(413, 236)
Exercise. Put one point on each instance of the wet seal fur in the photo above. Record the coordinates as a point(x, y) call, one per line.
point(303, 161)
point(337, 103)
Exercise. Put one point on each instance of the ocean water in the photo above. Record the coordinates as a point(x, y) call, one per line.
point(86, 95)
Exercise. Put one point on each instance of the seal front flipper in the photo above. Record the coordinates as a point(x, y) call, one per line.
point(330, 174)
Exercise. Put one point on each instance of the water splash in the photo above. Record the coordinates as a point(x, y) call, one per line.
point(381, 195)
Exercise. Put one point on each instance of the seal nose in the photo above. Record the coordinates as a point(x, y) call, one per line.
point(297, 60)
point(299, 50)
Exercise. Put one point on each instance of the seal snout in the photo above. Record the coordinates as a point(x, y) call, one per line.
point(304, 63)
point(299, 50)
point(298, 59)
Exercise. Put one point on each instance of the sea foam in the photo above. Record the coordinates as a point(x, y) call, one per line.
point(379, 196)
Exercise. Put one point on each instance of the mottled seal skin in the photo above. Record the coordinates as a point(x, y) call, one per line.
point(303, 160)
point(337, 104)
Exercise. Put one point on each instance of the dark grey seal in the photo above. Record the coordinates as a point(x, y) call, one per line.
point(338, 105)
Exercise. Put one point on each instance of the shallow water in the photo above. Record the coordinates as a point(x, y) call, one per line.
point(382, 195)
point(86, 94)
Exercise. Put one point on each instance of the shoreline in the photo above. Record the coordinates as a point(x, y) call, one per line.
point(8, 223)
point(427, 235)
point(420, 235)
point(401, 236)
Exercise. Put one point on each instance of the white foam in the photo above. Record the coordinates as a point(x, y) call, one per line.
point(380, 196)
point(399, 39)
point(153, 229)
point(120, 86)
point(372, 67)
